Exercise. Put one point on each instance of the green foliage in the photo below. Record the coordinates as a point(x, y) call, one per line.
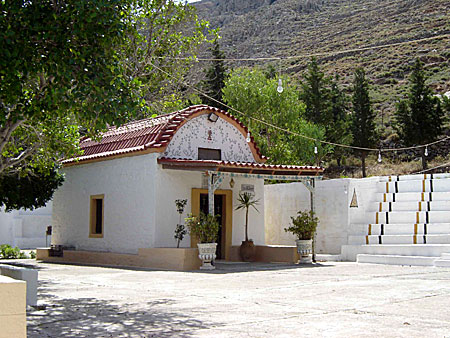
point(419, 119)
point(70, 64)
point(8, 252)
point(215, 78)
point(363, 117)
point(304, 225)
point(204, 227)
point(33, 254)
point(28, 191)
point(245, 201)
point(326, 105)
point(253, 93)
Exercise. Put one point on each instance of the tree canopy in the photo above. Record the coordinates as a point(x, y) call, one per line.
point(363, 116)
point(253, 93)
point(69, 64)
point(419, 118)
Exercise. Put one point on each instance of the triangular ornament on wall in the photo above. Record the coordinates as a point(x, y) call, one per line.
point(354, 202)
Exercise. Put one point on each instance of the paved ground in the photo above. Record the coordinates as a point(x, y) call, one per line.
point(243, 300)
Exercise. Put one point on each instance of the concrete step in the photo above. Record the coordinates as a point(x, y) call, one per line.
point(445, 255)
point(398, 217)
point(412, 196)
point(410, 206)
point(442, 263)
point(400, 229)
point(349, 252)
point(31, 242)
point(414, 177)
point(441, 185)
point(396, 260)
point(399, 239)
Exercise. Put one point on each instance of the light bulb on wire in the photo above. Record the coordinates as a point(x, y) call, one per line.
point(426, 151)
point(315, 150)
point(280, 86)
point(248, 137)
point(379, 157)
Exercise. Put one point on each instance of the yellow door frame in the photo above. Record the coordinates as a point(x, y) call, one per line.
point(195, 209)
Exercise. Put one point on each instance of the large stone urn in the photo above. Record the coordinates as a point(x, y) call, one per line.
point(207, 254)
point(304, 249)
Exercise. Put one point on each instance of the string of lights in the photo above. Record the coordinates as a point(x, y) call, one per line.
point(310, 55)
point(315, 140)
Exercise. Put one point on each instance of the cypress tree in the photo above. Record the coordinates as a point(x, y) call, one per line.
point(419, 118)
point(362, 119)
point(215, 78)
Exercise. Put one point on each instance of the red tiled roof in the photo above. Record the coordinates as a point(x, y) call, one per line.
point(152, 134)
point(244, 167)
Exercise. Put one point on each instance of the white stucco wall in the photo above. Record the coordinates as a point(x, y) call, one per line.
point(178, 184)
point(202, 133)
point(332, 205)
point(25, 228)
point(129, 204)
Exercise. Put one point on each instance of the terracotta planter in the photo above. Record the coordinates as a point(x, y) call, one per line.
point(304, 248)
point(207, 253)
point(247, 251)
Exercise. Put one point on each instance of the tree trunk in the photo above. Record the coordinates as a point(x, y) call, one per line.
point(424, 159)
point(363, 164)
point(246, 224)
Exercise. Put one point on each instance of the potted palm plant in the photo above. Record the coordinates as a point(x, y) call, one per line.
point(205, 228)
point(247, 249)
point(303, 227)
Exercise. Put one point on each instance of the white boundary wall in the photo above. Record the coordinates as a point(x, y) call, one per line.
point(332, 204)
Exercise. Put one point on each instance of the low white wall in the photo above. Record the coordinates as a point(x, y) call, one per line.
point(128, 185)
point(178, 184)
point(332, 205)
point(25, 228)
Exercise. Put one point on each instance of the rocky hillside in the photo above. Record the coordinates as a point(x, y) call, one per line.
point(281, 28)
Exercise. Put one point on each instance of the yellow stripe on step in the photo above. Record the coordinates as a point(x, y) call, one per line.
point(376, 219)
point(424, 176)
point(423, 197)
point(390, 178)
point(415, 229)
point(414, 239)
point(423, 185)
point(387, 187)
point(420, 206)
point(370, 229)
point(381, 207)
point(417, 217)
point(384, 198)
point(367, 240)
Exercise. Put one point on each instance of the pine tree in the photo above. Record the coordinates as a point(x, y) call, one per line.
point(419, 118)
point(338, 130)
point(315, 95)
point(215, 78)
point(362, 119)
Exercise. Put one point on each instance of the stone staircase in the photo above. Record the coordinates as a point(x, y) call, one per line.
point(407, 223)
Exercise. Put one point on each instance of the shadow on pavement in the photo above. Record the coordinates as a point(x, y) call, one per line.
point(223, 267)
point(90, 317)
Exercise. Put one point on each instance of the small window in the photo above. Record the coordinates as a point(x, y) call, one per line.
point(97, 215)
point(209, 154)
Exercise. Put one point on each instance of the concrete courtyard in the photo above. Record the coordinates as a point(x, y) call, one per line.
point(243, 300)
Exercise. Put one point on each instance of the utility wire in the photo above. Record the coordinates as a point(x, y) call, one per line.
point(292, 132)
point(302, 56)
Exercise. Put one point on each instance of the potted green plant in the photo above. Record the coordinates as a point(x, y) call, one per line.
point(247, 249)
point(205, 228)
point(304, 226)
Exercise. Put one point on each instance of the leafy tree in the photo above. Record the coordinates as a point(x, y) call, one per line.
point(362, 119)
point(419, 118)
point(215, 78)
point(251, 92)
point(66, 64)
